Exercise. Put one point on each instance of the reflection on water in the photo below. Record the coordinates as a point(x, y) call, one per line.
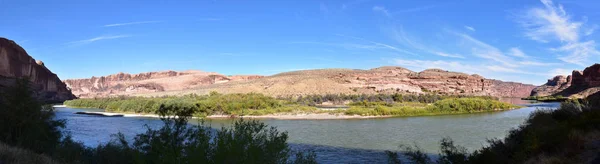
point(517, 101)
point(344, 141)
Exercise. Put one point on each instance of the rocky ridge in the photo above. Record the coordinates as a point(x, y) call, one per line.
point(387, 79)
point(16, 63)
point(579, 84)
point(123, 83)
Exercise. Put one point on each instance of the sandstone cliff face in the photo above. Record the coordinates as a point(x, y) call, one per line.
point(320, 81)
point(123, 83)
point(553, 86)
point(579, 84)
point(16, 63)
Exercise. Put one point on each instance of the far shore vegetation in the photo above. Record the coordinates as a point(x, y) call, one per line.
point(557, 98)
point(254, 104)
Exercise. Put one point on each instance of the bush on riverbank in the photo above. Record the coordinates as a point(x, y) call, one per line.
point(215, 103)
point(340, 99)
point(445, 106)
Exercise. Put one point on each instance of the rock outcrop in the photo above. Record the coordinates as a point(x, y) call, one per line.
point(16, 63)
point(320, 81)
point(553, 86)
point(579, 84)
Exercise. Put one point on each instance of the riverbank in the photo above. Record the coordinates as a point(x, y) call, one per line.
point(281, 116)
point(260, 106)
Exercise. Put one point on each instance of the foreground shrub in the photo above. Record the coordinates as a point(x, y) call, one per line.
point(24, 122)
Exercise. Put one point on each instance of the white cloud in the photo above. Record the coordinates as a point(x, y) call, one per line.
point(381, 44)
point(496, 68)
point(416, 9)
point(130, 23)
point(516, 52)
point(401, 37)
point(449, 55)
point(486, 51)
point(578, 52)
point(553, 23)
point(382, 10)
point(470, 28)
point(559, 71)
point(550, 22)
point(106, 37)
point(533, 63)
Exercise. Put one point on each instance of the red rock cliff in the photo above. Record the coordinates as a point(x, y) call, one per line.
point(16, 63)
point(578, 85)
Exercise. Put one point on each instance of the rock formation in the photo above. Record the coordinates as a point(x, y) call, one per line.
point(553, 86)
point(16, 63)
point(123, 83)
point(579, 84)
point(320, 81)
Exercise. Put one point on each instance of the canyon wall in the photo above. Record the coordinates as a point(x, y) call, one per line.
point(16, 63)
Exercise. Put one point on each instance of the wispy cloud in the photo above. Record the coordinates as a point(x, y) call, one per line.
point(210, 19)
point(400, 36)
point(381, 44)
point(131, 23)
point(352, 3)
point(449, 55)
point(470, 28)
point(559, 71)
point(382, 10)
point(516, 52)
point(486, 51)
point(552, 23)
point(416, 9)
point(105, 37)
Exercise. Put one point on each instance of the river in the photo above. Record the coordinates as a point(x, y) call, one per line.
point(335, 141)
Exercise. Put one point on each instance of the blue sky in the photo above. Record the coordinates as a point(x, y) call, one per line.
point(514, 40)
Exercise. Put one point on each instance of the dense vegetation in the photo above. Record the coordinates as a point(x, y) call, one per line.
point(564, 135)
point(339, 99)
point(445, 106)
point(258, 104)
point(547, 98)
point(25, 126)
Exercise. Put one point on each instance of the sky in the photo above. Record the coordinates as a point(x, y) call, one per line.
point(526, 41)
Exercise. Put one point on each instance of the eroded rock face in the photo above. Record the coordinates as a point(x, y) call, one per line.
point(553, 86)
point(439, 81)
point(579, 84)
point(123, 83)
point(16, 63)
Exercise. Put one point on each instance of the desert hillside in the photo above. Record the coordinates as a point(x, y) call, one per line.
point(321, 81)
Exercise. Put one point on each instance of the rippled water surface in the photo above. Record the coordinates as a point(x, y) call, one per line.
point(336, 141)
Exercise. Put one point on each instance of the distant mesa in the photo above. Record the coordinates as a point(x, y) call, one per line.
point(388, 79)
point(16, 63)
point(579, 84)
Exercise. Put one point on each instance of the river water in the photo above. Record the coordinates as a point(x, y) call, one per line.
point(336, 141)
